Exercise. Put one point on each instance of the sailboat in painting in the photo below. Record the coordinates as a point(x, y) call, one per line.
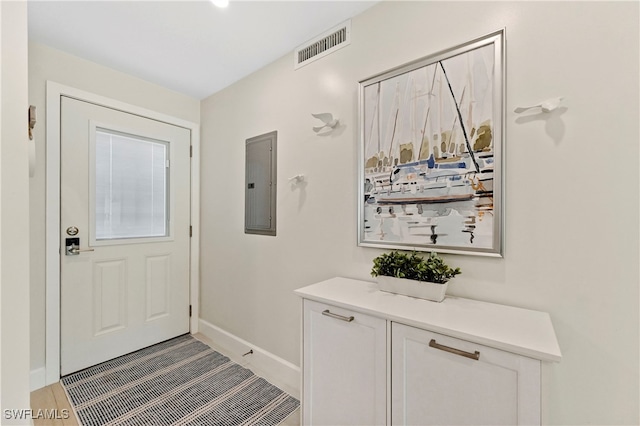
point(429, 154)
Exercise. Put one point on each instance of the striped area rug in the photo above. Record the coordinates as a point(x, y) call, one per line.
point(178, 382)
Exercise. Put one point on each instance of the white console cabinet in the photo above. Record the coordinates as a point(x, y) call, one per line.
point(373, 358)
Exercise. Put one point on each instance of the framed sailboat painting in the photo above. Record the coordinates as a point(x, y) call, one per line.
point(431, 152)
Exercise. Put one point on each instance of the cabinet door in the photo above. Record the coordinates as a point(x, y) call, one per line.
point(344, 367)
point(432, 384)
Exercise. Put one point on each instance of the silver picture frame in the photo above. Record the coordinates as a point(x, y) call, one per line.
point(431, 152)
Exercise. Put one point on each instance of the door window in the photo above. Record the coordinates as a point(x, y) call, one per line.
point(130, 190)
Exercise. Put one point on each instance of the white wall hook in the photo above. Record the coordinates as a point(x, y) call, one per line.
point(327, 119)
point(296, 178)
point(546, 106)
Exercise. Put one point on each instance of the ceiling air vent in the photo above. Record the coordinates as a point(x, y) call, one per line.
point(328, 42)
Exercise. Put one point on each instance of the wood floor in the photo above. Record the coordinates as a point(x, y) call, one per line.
point(50, 398)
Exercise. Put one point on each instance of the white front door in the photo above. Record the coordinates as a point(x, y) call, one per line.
point(125, 209)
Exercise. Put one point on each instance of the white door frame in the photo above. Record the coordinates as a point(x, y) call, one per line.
point(52, 224)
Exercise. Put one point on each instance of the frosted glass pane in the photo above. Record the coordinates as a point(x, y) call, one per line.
point(131, 189)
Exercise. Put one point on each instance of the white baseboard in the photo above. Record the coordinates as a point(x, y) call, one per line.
point(276, 370)
point(37, 379)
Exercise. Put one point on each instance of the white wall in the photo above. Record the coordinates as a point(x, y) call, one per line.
point(14, 216)
point(45, 64)
point(572, 193)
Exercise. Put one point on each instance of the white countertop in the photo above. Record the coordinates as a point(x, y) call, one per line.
point(521, 331)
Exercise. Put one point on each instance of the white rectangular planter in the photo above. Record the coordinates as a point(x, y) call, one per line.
point(420, 289)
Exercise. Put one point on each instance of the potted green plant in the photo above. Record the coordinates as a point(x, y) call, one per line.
point(412, 275)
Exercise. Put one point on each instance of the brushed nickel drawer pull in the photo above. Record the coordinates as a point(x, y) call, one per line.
point(336, 316)
point(434, 344)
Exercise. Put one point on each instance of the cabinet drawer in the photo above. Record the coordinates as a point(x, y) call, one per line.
point(440, 380)
point(344, 367)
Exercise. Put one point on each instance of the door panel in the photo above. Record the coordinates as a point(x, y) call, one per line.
point(110, 296)
point(157, 286)
point(432, 384)
point(125, 186)
point(344, 367)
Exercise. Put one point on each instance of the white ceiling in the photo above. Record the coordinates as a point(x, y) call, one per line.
point(191, 47)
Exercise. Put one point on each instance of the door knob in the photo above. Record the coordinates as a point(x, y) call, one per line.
point(72, 247)
point(74, 251)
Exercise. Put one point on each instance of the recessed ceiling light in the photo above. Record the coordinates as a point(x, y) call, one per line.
point(220, 3)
